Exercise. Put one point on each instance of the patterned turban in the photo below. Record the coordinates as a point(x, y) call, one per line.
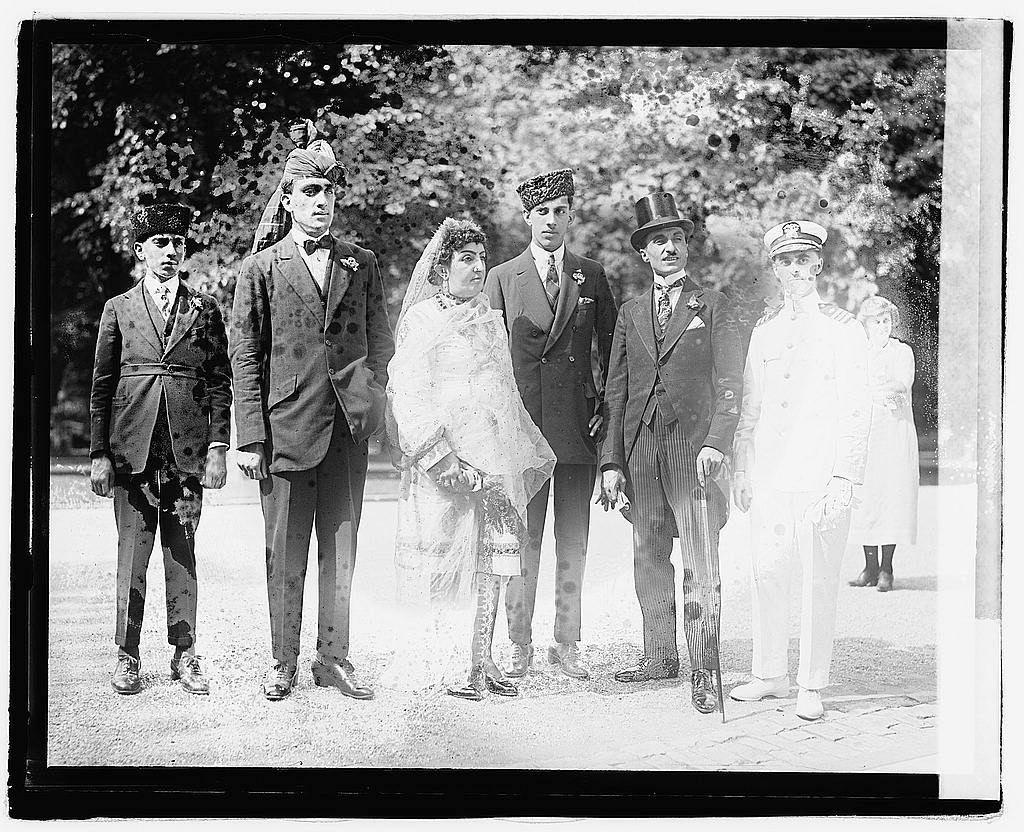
point(165, 218)
point(547, 186)
point(316, 160)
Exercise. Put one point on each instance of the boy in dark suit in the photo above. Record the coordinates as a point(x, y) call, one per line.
point(310, 348)
point(673, 403)
point(555, 304)
point(160, 412)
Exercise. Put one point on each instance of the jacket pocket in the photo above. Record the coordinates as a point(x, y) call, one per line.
point(281, 391)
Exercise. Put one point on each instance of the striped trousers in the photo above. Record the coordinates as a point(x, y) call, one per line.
point(668, 502)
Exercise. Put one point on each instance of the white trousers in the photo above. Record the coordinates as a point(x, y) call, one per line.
point(782, 531)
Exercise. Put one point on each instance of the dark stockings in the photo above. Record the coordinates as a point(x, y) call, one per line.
point(871, 560)
point(887, 552)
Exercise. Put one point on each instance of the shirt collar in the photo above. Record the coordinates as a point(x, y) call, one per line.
point(672, 278)
point(542, 256)
point(153, 284)
point(300, 236)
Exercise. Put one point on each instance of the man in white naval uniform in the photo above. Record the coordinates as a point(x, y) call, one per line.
point(800, 447)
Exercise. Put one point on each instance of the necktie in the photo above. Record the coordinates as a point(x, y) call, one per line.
point(665, 303)
point(311, 246)
point(164, 300)
point(551, 282)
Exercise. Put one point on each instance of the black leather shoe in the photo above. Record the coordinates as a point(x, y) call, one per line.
point(647, 669)
point(126, 676)
point(704, 695)
point(186, 669)
point(865, 578)
point(340, 675)
point(280, 680)
point(884, 582)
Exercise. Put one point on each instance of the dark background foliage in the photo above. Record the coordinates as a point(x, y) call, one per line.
point(744, 138)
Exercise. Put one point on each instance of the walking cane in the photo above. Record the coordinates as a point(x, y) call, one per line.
point(718, 606)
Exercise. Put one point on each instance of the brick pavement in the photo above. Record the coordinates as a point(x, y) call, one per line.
point(860, 735)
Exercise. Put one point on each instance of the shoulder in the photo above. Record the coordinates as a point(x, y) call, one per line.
point(503, 268)
point(768, 315)
point(901, 348)
point(834, 313)
point(713, 298)
point(587, 264)
point(261, 260)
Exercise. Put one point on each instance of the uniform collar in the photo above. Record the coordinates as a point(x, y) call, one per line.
point(804, 305)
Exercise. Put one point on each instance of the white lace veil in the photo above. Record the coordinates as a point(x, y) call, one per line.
point(420, 288)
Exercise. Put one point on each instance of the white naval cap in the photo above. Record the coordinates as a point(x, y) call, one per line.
point(794, 235)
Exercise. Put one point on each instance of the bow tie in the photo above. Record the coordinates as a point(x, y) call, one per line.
point(668, 287)
point(311, 246)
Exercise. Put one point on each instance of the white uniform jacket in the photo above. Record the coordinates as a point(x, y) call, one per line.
point(806, 407)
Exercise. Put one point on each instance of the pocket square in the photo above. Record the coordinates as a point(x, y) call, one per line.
point(585, 301)
point(696, 323)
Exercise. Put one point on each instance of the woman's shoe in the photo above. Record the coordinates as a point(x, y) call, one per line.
point(884, 581)
point(502, 687)
point(865, 578)
point(467, 691)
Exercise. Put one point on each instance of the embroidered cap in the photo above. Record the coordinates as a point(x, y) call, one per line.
point(164, 218)
point(550, 185)
point(794, 235)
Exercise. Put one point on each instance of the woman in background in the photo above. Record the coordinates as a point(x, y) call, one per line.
point(887, 513)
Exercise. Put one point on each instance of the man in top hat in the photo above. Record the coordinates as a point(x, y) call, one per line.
point(310, 348)
point(801, 446)
point(673, 401)
point(556, 303)
point(160, 413)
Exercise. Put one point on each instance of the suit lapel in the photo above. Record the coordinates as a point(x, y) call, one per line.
point(187, 314)
point(143, 308)
point(535, 301)
point(339, 277)
point(643, 319)
point(682, 315)
point(293, 269)
point(568, 296)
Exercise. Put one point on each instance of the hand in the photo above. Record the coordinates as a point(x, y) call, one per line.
point(612, 484)
point(101, 477)
point(216, 473)
point(252, 462)
point(445, 471)
point(596, 421)
point(709, 460)
point(742, 491)
point(838, 495)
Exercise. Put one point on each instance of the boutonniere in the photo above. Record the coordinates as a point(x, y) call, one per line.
point(578, 277)
point(351, 264)
point(196, 303)
point(585, 301)
point(693, 303)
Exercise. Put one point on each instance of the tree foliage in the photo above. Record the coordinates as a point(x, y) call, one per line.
point(743, 137)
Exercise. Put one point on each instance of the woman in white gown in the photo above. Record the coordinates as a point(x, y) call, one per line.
point(887, 514)
point(471, 460)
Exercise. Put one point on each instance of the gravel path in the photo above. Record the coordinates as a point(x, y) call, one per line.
point(885, 647)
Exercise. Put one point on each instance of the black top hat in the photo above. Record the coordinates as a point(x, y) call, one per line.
point(656, 211)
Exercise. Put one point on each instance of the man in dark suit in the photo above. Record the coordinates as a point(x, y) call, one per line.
point(310, 347)
point(555, 304)
point(673, 402)
point(160, 412)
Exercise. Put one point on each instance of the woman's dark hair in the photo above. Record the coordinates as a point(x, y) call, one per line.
point(459, 233)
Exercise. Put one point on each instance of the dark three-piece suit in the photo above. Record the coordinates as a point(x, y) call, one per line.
point(161, 394)
point(551, 360)
point(668, 395)
point(310, 370)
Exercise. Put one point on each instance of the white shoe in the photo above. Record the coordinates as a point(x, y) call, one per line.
point(808, 704)
point(758, 689)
